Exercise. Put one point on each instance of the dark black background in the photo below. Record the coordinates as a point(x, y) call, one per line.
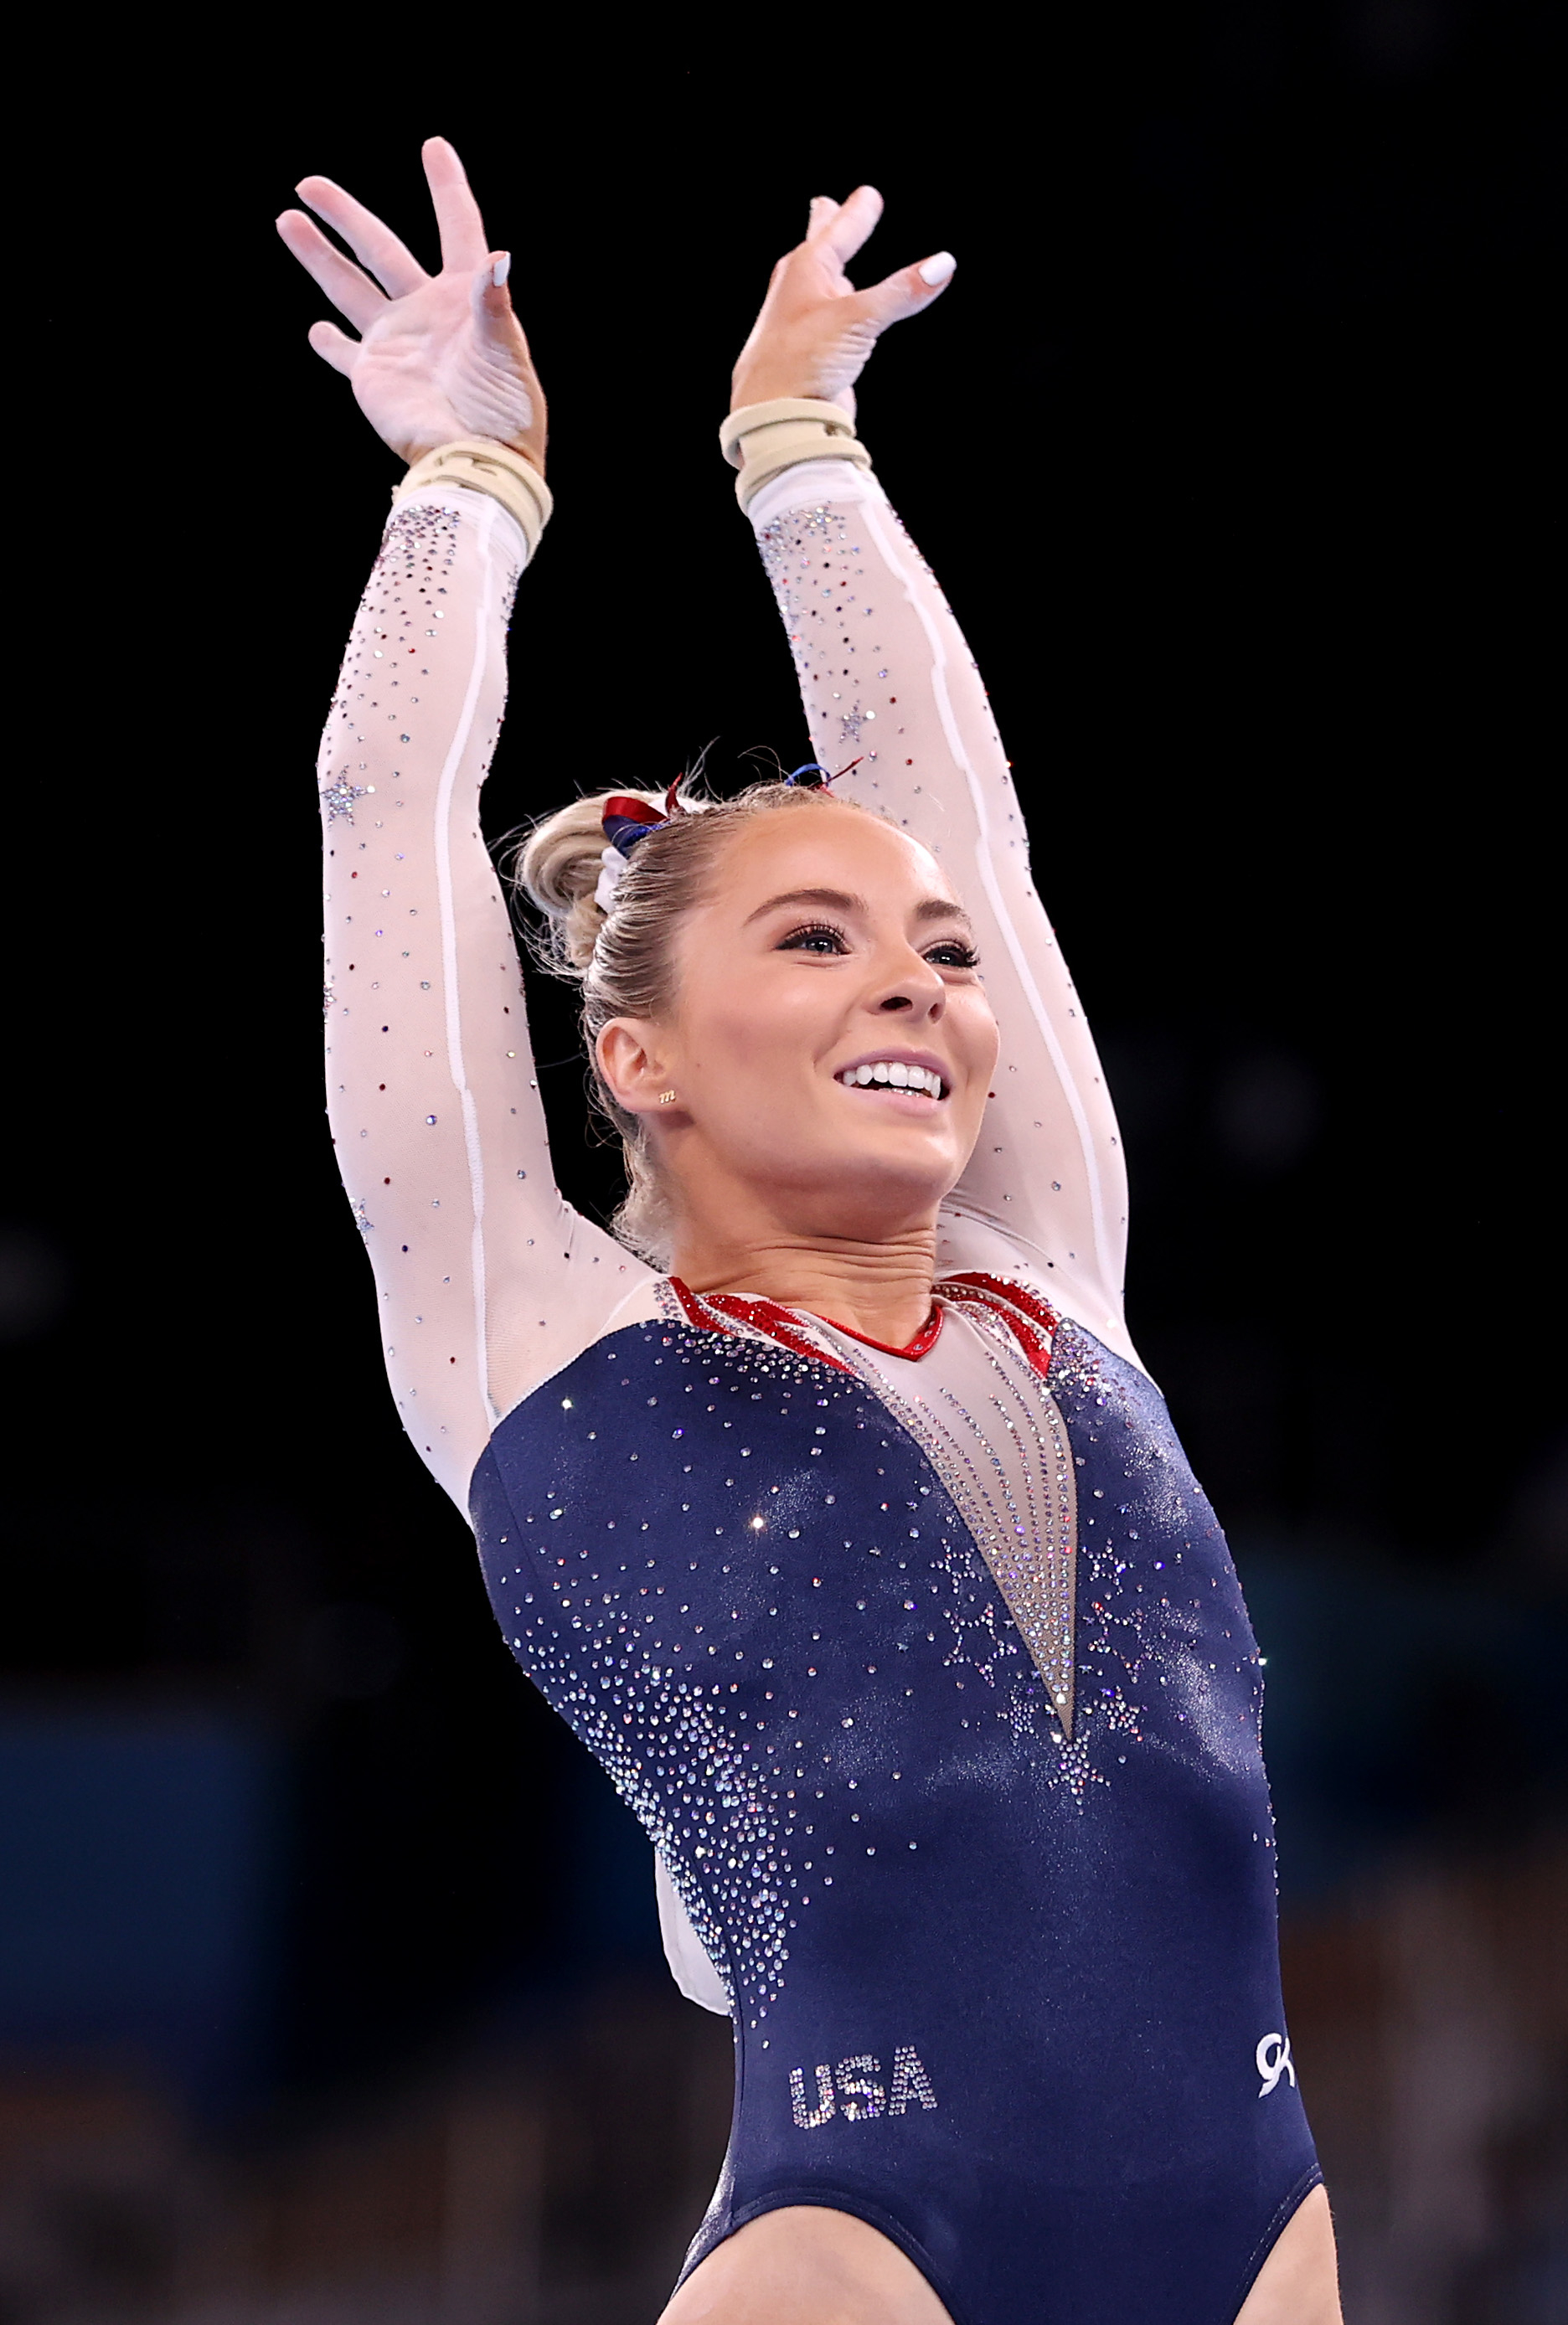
point(1231, 443)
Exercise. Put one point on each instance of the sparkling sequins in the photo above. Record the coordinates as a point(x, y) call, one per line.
point(338, 796)
point(832, 1729)
point(856, 2090)
point(719, 1751)
point(817, 615)
point(1000, 1448)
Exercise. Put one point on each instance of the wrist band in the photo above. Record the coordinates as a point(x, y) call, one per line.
point(485, 466)
point(762, 438)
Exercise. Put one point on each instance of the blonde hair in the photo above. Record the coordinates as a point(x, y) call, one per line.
point(624, 960)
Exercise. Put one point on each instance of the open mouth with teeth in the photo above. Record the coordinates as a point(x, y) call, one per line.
point(892, 1073)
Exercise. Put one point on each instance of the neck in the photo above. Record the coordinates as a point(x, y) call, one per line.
point(882, 1289)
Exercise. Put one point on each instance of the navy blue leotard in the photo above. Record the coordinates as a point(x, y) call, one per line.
point(928, 1672)
point(1012, 1998)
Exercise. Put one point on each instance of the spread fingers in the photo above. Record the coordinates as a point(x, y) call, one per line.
point(373, 245)
point(352, 292)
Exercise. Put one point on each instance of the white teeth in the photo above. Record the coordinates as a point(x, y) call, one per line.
point(893, 1074)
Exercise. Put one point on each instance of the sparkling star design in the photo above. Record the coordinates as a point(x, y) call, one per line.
point(327, 997)
point(850, 723)
point(363, 1225)
point(338, 796)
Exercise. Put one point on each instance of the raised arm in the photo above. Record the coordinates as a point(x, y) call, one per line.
point(486, 1281)
point(887, 679)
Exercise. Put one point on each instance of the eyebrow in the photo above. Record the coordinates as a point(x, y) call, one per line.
point(838, 900)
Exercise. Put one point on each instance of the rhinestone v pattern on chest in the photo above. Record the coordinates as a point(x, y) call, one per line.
point(979, 1409)
point(917, 1538)
point(735, 1574)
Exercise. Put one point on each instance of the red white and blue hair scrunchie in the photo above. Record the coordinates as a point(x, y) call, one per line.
point(626, 819)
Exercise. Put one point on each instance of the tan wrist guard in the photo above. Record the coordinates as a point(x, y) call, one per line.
point(762, 438)
point(485, 466)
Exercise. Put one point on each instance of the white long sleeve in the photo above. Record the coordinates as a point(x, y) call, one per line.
point(488, 1281)
point(885, 675)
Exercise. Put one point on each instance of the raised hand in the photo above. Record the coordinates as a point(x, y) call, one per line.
point(815, 329)
point(437, 357)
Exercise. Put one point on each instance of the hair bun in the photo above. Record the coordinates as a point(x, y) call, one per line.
point(558, 868)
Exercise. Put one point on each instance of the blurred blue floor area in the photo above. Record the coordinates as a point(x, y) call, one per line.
point(1399, 1709)
point(139, 1875)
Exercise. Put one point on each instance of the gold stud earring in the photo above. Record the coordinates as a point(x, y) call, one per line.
point(666, 1097)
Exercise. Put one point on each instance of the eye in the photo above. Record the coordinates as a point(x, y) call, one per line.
point(817, 937)
point(953, 953)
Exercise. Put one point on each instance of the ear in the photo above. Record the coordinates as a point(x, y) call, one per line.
point(634, 1060)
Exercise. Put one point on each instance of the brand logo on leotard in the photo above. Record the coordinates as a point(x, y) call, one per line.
point(1274, 2059)
point(854, 2088)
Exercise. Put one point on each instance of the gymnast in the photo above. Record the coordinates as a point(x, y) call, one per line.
point(826, 1498)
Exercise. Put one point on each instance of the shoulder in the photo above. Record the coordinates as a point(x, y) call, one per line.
point(657, 1415)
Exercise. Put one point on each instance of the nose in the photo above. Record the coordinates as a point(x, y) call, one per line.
point(916, 989)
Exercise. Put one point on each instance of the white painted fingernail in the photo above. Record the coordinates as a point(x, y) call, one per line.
point(501, 269)
point(939, 269)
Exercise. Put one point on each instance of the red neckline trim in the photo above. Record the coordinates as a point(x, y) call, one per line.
point(1032, 1321)
point(771, 1316)
point(765, 1315)
point(925, 1340)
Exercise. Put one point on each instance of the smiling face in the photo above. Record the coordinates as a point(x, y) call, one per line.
point(831, 1044)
